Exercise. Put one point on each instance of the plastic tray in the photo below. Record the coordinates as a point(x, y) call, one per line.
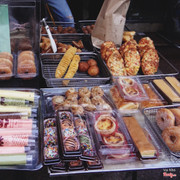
point(36, 162)
point(49, 64)
point(48, 93)
point(50, 141)
point(108, 152)
point(6, 76)
point(150, 114)
point(166, 160)
point(27, 76)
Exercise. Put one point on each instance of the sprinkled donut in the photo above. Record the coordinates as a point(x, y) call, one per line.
point(165, 118)
point(171, 136)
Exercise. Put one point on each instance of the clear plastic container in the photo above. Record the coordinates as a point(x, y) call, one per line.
point(122, 105)
point(27, 65)
point(69, 140)
point(111, 138)
point(7, 65)
point(22, 131)
point(155, 99)
point(51, 143)
point(131, 89)
point(143, 138)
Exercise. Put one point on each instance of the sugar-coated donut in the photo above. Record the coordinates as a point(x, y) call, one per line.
point(25, 56)
point(5, 73)
point(26, 67)
point(171, 136)
point(176, 112)
point(26, 52)
point(165, 118)
point(6, 62)
point(6, 55)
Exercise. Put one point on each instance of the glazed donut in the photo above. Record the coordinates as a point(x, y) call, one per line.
point(6, 62)
point(26, 52)
point(176, 112)
point(165, 118)
point(6, 55)
point(26, 67)
point(84, 92)
point(5, 73)
point(171, 137)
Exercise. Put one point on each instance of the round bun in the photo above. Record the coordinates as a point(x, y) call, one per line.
point(84, 92)
point(83, 66)
point(77, 110)
point(97, 91)
point(70, 91)
point(93, 70)
point(92, 62)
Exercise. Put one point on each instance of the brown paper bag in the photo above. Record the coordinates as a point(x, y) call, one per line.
point(110, 22)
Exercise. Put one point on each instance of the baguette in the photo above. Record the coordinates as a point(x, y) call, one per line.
point(65, 61)
point(72, 69)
